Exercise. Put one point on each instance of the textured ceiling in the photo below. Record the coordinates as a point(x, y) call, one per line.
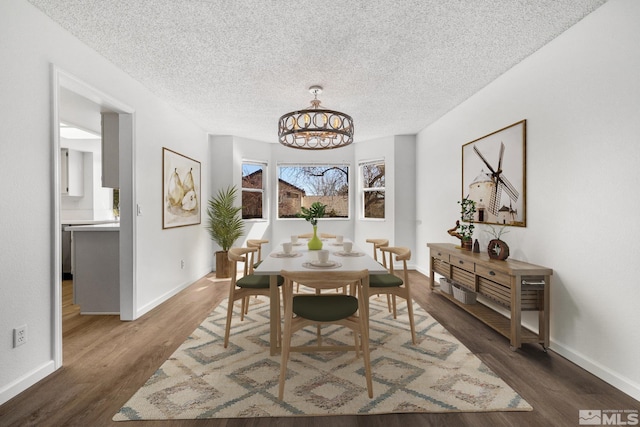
point(236, 66)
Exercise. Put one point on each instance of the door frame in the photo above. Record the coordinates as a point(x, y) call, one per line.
point(63, 79)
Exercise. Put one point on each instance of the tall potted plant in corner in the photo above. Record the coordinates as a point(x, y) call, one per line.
point(225, 226)
point(311, 214)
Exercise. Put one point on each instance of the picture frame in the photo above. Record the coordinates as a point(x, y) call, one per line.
point(494, 176)
point(181, 190)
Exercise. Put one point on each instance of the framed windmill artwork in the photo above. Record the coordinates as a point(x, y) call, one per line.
point(180, 190)
point(494, 176)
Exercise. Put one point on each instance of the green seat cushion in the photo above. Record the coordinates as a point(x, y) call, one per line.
point(255, 281)
point(325, 308)
point(257, 264)
point(384, 281)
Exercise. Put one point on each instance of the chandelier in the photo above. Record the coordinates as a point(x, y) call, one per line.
point(315, 128)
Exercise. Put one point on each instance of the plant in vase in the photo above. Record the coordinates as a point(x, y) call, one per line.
point(497, 249)
point(312, 214)
point(225, 227)
point(464, 232)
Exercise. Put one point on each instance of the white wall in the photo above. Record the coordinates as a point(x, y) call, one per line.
point(29, 44)
point(580, 95)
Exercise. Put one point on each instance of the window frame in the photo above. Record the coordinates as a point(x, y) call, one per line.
point(363, 190)
point(340, 164)
point(264, 190)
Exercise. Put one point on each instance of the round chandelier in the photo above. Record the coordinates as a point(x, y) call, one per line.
point(315, 128)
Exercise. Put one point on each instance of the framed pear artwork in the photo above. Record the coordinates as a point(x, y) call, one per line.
point(180, 190)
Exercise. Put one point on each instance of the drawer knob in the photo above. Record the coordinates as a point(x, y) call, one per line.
point(439, 253)
point(492, 273)
point(461, 261)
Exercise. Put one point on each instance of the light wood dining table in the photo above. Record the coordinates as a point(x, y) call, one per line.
point(301, 256)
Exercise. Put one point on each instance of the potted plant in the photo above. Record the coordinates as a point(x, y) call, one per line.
point(225, 226)
point(311, 214)
point(464, 232)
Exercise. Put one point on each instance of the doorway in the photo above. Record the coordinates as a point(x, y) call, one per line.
point(82, 105)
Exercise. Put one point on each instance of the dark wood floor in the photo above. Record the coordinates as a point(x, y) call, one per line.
point(106, 361)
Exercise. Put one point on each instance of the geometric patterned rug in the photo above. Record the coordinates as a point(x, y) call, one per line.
point(204, 380)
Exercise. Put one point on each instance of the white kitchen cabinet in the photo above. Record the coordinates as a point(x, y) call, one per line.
point(110, 150)
point(71, 172)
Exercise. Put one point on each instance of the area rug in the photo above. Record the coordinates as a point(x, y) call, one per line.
point(204, 380)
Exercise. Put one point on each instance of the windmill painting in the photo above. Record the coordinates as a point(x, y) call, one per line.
point(494, 175)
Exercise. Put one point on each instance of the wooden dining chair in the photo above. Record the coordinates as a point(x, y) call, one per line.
point(377, 244)
point(245, 286)
point(393, 285)
point(305, 236)
point(327, 236)
point(304, 310)
point(255, 259)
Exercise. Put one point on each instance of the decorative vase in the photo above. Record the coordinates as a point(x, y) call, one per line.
point(467, 245)
point(315, 244)
point(498, 249)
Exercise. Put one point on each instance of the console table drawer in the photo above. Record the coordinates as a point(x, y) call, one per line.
point(464, 278)
point(494, 275)
point(441, 256)
point(462, 263)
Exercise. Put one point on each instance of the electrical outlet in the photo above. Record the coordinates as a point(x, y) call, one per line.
point(19, 336)
point(182, 264)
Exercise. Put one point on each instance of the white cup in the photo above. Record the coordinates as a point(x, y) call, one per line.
point(323, 255)
point(347, 246)
point(287, 247)
point(339, 238)
point(294, 238)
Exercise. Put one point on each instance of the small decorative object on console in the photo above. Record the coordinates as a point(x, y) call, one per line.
point(497, 249)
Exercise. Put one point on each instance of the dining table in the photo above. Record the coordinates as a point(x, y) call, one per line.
point(302, 259)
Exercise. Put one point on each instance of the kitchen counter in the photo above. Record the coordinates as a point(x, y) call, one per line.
point(96, 267)
point(111, 226)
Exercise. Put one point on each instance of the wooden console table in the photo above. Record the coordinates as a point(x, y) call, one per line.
point(515, 285)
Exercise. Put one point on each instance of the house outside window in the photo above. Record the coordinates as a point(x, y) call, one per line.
point(372, 178)
point(303, 184)
point(253, 190)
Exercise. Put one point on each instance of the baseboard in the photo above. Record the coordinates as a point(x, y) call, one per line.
point(162, 298)
point(21, 384)
point(623, 384)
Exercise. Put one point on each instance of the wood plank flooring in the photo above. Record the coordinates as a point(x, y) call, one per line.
point(106, 361)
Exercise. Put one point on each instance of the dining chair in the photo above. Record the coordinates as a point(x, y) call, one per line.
point(245, 286)
point(305, 236)
point(302, 310)
point(327, 236)
point(377, 244)
point(256, 243)
point(394, 285)
point(255, 261)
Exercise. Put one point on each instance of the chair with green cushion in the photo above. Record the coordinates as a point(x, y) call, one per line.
point(304, 310)
point(377, 244)
point(245, 286)
point(394, 285)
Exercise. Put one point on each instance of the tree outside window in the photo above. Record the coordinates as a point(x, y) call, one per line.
point(302, 185)
point(253, 190)
point(373, 188)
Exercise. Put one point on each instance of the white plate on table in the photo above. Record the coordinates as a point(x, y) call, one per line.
point(343, 253)
point(318, 264)
point(284, 255)
point(336, 244)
